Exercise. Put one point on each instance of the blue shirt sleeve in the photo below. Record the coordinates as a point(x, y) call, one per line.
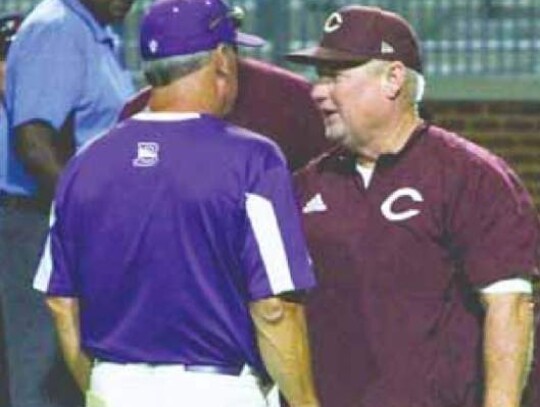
point(275, 257)
point(45, 75)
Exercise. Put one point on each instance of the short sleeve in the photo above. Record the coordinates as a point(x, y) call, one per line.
point(494, 226)
point(275, 257)
point(45, 75)
point(55, 272)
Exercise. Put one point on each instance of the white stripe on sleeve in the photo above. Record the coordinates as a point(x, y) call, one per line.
point(271, 247)
point(44, 269)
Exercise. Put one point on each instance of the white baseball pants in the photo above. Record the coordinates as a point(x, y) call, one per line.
point(141, 385)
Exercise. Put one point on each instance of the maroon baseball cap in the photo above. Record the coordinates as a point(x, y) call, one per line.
point(354, 34)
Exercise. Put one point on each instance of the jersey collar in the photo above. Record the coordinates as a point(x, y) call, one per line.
point(148, 115)
point(339, 159)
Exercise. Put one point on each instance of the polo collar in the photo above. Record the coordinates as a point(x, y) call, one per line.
point(101, 33)
point(342, 160)
point(411, 141)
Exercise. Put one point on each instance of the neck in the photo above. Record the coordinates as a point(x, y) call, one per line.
point(192, 93)
point(390, 138)
point(97, 16)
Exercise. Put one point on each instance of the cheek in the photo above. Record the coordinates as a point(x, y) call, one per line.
point(346, 101)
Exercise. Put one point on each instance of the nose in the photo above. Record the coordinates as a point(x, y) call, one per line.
point(321, 90)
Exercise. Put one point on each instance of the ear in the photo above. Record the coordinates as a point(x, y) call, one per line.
point(225, 77)
point(225, 61)
point(393, 79)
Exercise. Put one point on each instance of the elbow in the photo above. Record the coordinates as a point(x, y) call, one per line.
point(61, 306)
point(270, 310)
point(508, 309)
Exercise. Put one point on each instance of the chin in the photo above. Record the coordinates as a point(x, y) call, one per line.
point(335, 134)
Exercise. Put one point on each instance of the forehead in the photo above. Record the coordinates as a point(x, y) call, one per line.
point(334, 69)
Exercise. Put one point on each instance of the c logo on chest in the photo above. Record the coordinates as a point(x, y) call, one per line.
point(402, 193)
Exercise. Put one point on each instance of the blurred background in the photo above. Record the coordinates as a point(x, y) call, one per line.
point(482, 61)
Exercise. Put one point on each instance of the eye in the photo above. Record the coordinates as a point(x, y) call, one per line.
point(340, 76)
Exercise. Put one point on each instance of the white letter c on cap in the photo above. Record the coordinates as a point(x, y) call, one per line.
point(333, 22)
point(386, 207)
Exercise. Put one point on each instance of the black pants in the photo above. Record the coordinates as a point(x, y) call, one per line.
point(4, 387)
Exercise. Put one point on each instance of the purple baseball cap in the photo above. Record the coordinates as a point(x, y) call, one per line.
point(359, 33)
point(182, 27)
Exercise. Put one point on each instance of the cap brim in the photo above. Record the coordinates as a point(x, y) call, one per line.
point(249, 40)
point(323, 56)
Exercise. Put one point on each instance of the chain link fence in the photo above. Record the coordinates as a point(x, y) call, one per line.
point(459, 37)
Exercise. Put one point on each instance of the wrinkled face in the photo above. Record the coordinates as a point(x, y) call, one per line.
point(351, 101)
point(109, 11)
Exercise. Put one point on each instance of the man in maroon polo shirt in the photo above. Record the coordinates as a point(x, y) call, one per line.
point(425, 243)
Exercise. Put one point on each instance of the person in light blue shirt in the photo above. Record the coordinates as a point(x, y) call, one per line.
point(75, 88)
point(64, 85)
point(9, 24)
point(8, 28)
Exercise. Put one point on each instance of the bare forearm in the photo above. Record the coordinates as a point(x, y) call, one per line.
point(284, 347)
point(65, 313)
point(508, 341)
point(37, 150)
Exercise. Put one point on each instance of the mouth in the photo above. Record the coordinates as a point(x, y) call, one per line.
point(329, 114)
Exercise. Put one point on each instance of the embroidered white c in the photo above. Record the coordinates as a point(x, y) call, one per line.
point(333, 22)
point(386, 207)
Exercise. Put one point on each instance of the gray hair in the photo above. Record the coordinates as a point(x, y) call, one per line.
point(164, 71)
point(416, 83)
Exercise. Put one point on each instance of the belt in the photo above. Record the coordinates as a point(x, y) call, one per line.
point(225, 370)
point(195, 368)
point(23, 202)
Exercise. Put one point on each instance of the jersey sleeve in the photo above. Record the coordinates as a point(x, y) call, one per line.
point(494, 227)
point(275, 257)
point(45, 75)
point(55, 272)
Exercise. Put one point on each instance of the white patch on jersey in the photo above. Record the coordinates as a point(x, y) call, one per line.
point(315, 204)
point(333, 23)
point(147, 154)
point(388, 212)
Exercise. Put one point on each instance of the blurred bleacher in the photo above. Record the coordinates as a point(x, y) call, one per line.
point(459, 37)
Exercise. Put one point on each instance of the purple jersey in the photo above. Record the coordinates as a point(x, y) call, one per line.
point(395, 320)
point(165, 230)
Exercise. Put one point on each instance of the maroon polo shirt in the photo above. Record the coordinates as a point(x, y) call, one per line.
point(273, 102)
point(395, 321)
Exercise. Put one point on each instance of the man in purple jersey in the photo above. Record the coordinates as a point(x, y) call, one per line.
point(425, 243)
point(176, 242)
